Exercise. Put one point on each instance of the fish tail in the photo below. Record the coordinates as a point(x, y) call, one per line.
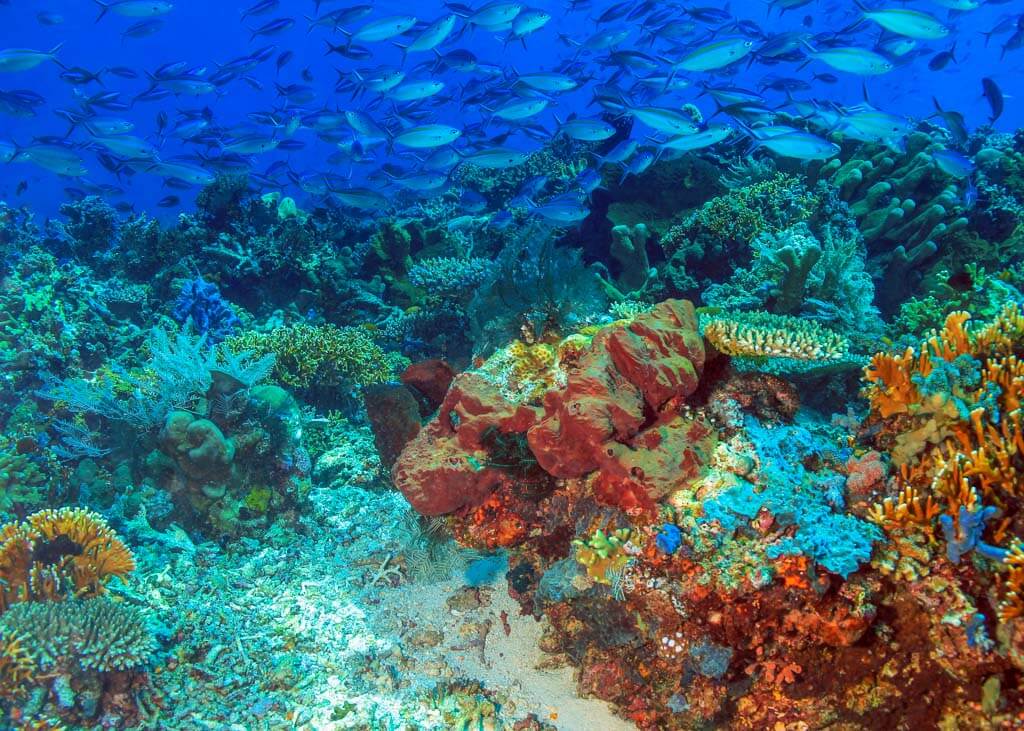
point(403, 49)
point(104, 7)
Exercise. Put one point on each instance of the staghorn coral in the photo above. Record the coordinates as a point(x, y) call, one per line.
point(62, 639)
point(76, 635)
point(72, 660)
point(450, 279)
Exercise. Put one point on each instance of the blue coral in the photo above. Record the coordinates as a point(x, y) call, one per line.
point(810, 501)
point(669, 539)
point(202, 303)
point(964, 535)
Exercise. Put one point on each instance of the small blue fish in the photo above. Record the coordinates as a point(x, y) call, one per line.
point(954, 163)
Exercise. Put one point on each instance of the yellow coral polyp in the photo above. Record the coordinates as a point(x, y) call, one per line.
point(603, 555)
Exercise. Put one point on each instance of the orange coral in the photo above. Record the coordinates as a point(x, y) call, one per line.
point(965, 458)
point(908, 508)
point(16, 666)
point(58, 554)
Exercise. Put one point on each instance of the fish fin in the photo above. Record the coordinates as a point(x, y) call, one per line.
point(404, 50)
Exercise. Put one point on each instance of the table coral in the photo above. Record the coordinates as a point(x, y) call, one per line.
point(764, 335)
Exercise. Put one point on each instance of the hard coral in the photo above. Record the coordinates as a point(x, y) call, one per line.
point(59, 554)
point(764, 335)
point(310, 356)
point(953, 410)
point(79, 635)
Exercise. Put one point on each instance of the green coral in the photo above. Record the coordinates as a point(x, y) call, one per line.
point(794, 272)
point(717, 236)
point(23, 484)
point(309, 356)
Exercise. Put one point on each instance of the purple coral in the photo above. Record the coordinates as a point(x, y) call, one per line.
point(211, 315)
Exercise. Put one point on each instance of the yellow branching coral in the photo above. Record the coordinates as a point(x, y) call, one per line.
point(603, 555)
point(323, 355)
point(954, 410)
point(1012, 605)
point(764, 335)
point(16, 665)
point(908, 508)
point(59, 554)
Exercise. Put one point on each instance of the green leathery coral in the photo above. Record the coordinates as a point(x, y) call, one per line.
point(324, 355)
point(603, 554)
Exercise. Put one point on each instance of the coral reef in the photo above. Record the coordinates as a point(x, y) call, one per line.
point(69, 652)
point(444, 462)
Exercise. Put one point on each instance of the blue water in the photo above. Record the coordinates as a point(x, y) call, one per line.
point(207, 34)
